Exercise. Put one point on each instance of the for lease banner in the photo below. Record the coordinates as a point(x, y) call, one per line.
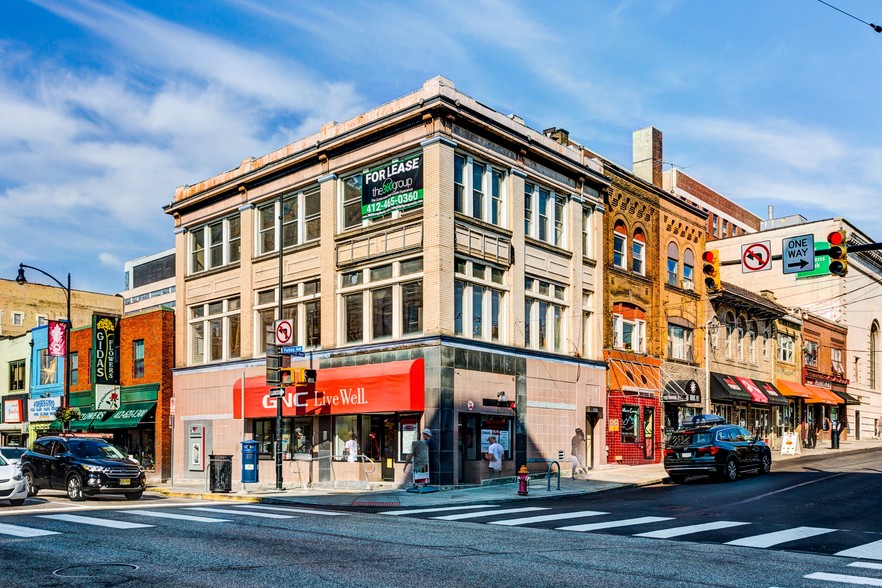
point(393, 186)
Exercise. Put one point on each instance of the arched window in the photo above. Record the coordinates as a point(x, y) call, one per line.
point(688, 269)
point(752, 330)
point(629, 327)
point(673, 264)
point(874, 349)
point(620, 245)
point(742, 332)
point(638, 256)
point(730, 333)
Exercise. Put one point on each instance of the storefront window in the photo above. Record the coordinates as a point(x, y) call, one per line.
point(344, 428)
point(630, 415)
point(499, 427)
point(297, 435)
point(408, 432)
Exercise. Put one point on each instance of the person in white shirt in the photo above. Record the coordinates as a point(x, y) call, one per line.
point(494, 454)
point(351, 448)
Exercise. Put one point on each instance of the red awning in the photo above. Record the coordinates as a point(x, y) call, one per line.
point(756, 394)
point(396, 386)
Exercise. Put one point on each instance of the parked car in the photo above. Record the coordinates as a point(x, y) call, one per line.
point(708, 446)
point(12, 454)
point(82, 467)
point(13, 486)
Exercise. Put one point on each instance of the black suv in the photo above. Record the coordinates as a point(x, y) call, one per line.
point(82, 466)
point(710, 447)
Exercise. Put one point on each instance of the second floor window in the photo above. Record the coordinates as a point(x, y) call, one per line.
point(74, 368)
point(138, 358)
point(17, 374)
point(836, 360)
point(215, 333)
point(381, 302)
point(478, 300)
point(215, 244)
point(302, 305)
point(679, 342)
point(629, 328)
point(811, 353)
point(785, 348)
point(688, 269)
point(544, 312)
point(620, 246)
point(638, 261)
point(48, 368)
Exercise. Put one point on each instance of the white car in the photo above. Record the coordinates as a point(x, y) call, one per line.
point(13, 486)
point(12, 454)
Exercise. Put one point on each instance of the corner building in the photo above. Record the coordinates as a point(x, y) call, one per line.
point(435, 256)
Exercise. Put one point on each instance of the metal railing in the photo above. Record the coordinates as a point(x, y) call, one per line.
point(368, 466)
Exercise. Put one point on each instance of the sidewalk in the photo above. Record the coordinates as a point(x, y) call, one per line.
point(606, 477)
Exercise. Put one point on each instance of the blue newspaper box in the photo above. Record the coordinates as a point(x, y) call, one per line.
point(249, 462)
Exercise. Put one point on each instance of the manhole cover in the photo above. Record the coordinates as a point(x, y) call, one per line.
point(92, 570)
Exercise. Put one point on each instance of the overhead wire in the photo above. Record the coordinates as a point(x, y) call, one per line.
point(875, 27)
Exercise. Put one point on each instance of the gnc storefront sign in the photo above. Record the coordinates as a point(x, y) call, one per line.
point(398, 386)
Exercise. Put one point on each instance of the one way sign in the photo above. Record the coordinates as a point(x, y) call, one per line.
point(798, 253)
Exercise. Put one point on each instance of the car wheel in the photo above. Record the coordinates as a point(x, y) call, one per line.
point(17, 502)
point(678, 478)
point(134, 496)
point(765, 464)
point(32, 489)
point(75, 488)
point(730, 471)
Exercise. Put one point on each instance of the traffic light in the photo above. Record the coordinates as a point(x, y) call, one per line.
point(287, 376)
point(711, 269)
point(838, 253)
point(296, 376)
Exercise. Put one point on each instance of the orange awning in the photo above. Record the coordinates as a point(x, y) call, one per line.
point(829, 396)
point(811, 394)
point(628, 375)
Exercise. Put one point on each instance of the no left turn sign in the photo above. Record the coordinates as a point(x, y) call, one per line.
point(284, 332)
point(756, 257)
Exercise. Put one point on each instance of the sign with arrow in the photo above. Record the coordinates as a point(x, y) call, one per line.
point(798, 253)
point(756, 257)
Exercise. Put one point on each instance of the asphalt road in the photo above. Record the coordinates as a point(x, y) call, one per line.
point(631, 537)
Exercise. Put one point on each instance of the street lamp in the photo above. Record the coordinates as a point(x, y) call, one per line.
point(22, 280)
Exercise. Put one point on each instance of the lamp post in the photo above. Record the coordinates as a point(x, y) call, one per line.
point(21, 280)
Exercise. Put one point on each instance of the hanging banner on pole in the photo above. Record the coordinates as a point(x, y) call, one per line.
point(58, 338)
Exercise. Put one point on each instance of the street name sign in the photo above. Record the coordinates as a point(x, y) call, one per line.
point(798, 253)
point(295, 350)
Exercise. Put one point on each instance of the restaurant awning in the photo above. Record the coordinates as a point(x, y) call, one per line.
point(811, 396)
point(682, 391)
point(635, 377)
point(846, 397)
point(773, 394)
point(826, 396)
point(725, 388)
point(126, 417)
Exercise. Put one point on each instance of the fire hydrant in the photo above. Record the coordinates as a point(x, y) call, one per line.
point(523, 480)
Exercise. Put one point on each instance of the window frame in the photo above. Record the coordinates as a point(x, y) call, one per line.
point(786, 345)
point(298, 301)
point(480, 189)
point(680, 337)
point(480, 292)
point(290, 216)
point(620, 246)
point(542, 207)
point(206, 318)
point(546, 309)
point(138, 358)
point(16, 382)
point(221, 238)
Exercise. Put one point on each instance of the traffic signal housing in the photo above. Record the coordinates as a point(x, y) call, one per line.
point(711, 268)
point(296, 376)
point(838, 253)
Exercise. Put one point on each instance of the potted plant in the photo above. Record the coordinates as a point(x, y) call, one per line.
point(65, 415)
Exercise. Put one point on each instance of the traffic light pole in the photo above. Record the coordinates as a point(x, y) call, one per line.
point(279, 237)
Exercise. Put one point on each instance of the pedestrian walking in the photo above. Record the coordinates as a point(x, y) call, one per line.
point(577, 453)
point(494, 455)
point(419, 456)
point(813, 435)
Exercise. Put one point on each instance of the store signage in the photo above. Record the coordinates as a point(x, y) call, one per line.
point(43, 409)
point(394, 186)
point(104, 349)
point(12, 411)
point(106, 397)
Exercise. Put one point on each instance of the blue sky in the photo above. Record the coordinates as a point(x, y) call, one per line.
point(106, 107)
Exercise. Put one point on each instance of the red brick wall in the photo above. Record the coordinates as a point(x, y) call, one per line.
point(632, 453)
point(717, 201)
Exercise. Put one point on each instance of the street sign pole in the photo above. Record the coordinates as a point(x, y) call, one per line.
point(281, 245)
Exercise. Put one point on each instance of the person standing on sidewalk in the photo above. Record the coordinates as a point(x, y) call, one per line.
point(813, 435)
point(577, 453)
point(494, 455)
point(419, 455)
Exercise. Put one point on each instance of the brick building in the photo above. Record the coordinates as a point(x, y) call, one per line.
point(436, 255)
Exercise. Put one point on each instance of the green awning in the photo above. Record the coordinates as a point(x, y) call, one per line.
point(81, 424)
point(55, 426)
point(127, 417)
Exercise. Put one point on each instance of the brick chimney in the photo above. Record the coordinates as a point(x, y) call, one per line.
point(562, 136)
point(646, 152)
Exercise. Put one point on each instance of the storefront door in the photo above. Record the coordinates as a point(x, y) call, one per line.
point(648, 433)
point(389, 443)
point(591, 419)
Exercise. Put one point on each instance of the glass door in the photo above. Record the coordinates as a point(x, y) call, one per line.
point(648, 433)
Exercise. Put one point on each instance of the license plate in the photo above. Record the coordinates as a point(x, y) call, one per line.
point(125, 482)
point(686, 454)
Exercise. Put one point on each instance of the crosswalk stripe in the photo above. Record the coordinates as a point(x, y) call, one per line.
point(844, 579)
point(264, 515)
point(396, 513)
point(94, 521)
point(550, 517)
point(866, 551)
point(866, 564)
point(778, 537)
point(689, 529)
point(324, 513)
point(17, 531)
point(474, 515)
point(175, 516)
point(614, 524)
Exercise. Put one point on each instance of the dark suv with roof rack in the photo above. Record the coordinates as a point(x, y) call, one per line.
point(81, 466)
point(709, 447)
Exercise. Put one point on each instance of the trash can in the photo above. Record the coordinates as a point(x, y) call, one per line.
point(250, 471)
point(220, 473)
point(834, 438)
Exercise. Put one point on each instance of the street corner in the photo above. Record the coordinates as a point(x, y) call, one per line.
point(199, 495)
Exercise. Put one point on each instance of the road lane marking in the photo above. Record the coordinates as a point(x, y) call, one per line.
point(614, 524)
point(176, 516)
point(550, 517)
point(866, 564)
point(17, 531)
point(324, 513)
point(789, 488)
point(474, 515)
point(778, 537)
point(79, 507)
point(689, 529)
point(263, 515)
point(866, 551)
point(94, 521)
point(844, 579)
point(396, 513)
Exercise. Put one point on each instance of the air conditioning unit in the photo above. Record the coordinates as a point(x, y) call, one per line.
point(688, 285)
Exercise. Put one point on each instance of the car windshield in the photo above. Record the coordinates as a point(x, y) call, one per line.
point(95, 449)
point(3, 461)
point(12, 452)
point(690, 438)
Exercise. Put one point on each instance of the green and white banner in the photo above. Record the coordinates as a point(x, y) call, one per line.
point(393, 186)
